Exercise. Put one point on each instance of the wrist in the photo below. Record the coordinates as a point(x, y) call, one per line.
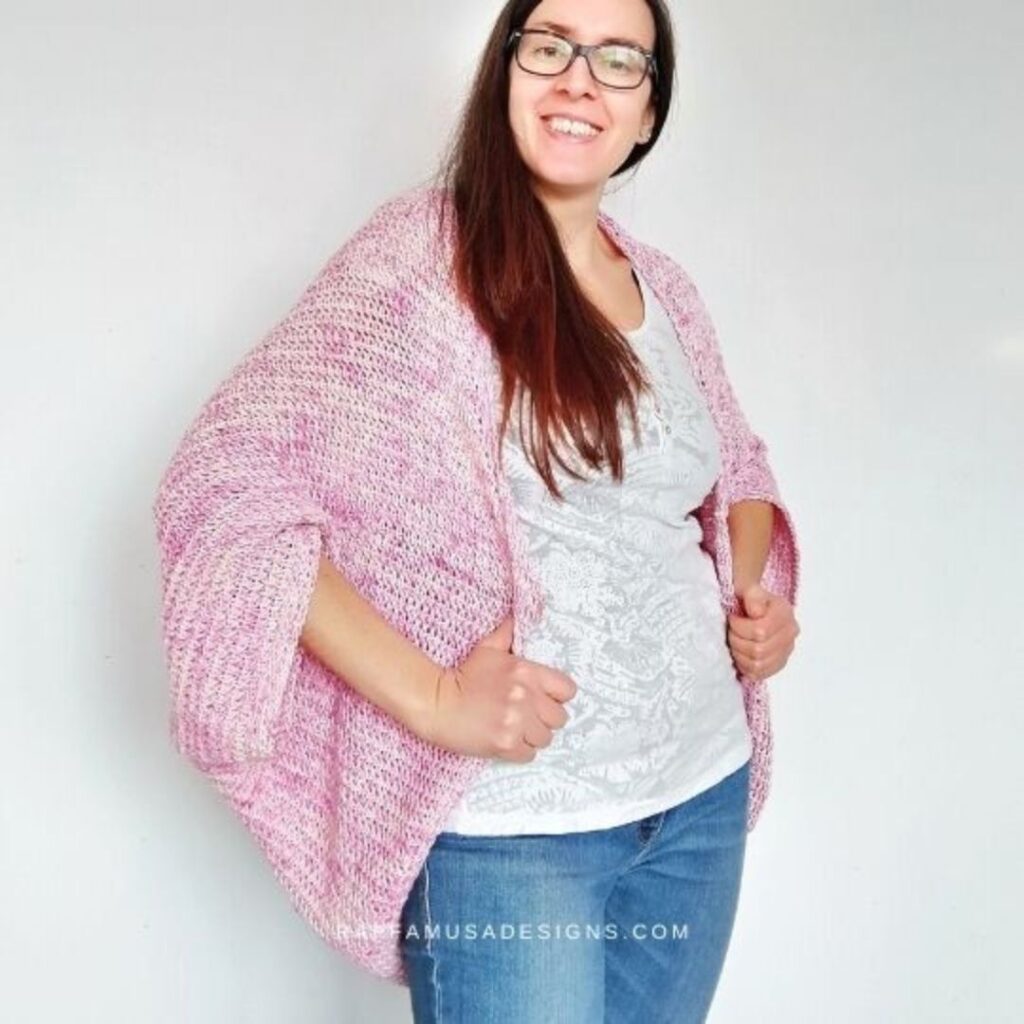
point(420, 699)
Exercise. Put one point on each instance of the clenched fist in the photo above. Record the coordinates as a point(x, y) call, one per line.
point(495, 704)
point(762, 640)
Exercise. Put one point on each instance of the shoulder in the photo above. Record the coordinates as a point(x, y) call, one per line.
point(671, 281)
point(389, 267)
point(656, 261)
point(384, 297)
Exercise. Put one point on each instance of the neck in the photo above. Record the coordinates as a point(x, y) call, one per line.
point(575, 217)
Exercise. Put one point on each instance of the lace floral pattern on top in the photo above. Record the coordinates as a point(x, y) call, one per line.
point(632, 614)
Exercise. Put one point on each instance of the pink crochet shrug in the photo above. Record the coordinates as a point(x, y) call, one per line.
point(364, 425)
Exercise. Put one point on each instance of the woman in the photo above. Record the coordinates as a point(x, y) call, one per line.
point(632, 818)
point(448, 671)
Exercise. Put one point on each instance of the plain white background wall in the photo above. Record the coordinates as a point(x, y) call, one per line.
point(842, 180)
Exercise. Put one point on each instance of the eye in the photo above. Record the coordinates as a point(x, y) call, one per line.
point(619, 58)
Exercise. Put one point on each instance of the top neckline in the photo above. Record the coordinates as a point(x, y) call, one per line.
point(641, 284)
point(607, 229)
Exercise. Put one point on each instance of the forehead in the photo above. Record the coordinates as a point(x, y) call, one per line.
point(598, 21)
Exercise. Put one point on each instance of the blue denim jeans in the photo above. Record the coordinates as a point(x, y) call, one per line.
point(623, 924)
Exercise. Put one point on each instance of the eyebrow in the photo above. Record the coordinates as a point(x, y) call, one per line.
point(565, 30)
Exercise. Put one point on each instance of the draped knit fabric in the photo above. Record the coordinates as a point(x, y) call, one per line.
point(364, 426)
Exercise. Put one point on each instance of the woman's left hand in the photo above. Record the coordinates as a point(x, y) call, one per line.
point(762, 640)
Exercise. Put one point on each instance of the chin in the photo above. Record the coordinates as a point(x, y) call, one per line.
point(568, 177)
point(567, 182)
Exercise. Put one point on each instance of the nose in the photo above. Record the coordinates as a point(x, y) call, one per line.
point(576, 79)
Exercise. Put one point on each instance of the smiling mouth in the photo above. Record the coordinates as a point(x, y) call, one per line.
point(565, 133)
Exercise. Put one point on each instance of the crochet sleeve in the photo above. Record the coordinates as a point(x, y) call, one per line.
point(240, 511)
point(246, 507)
point(239, 530)
point(746, 470)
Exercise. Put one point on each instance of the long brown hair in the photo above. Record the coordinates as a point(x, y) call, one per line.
point(552, 343)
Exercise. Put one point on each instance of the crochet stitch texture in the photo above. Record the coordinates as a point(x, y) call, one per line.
point(364, 425)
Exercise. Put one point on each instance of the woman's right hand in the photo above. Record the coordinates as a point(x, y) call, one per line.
point(494, 704)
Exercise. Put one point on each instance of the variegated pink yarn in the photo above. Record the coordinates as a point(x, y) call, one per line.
point(364, 426)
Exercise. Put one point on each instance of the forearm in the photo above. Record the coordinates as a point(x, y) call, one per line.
point(750, 534)
point(347, 634)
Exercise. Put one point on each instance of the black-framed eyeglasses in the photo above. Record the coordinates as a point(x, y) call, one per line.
point(616, 65)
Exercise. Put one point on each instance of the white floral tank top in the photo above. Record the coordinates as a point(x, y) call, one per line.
point(632, 613)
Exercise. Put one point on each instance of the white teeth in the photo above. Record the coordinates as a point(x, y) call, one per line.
point(569, 127)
